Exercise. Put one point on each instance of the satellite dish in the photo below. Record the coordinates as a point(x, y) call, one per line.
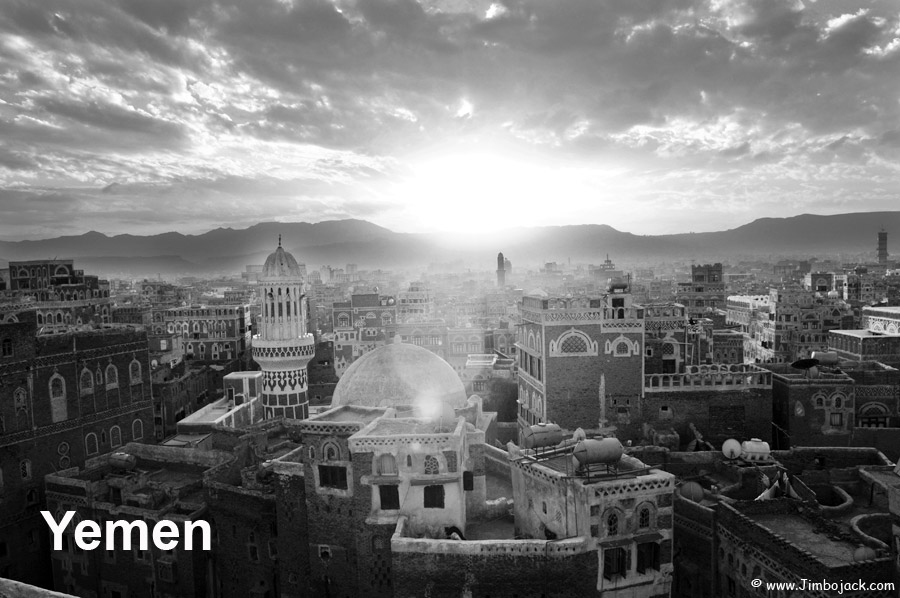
point(692, 491)
point(731, 448)
point(805, 364)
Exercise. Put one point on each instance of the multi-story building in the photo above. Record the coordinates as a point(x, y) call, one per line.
point(179, 391)
point(360, 325)
point(705, 291)
point(578, 355)
point(878, 339)
point(208, 333)
point(415, 304)
point(791, 325)
point(142, 483)
point(64, 399)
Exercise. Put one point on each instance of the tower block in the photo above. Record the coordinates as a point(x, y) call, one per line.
point(283, 347)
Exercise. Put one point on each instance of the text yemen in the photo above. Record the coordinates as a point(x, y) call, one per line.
point(165, 533)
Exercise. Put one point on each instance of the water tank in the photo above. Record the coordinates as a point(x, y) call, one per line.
point(607, 450)
point(692, 491)
point(542, 435)
point(122, 461)
point(755, 450)
point(826, 357)
point(731, 448)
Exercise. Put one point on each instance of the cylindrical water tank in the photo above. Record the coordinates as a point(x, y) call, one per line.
point(607, 450)
point(122, 461)
point(826, 357)
point(541, 435)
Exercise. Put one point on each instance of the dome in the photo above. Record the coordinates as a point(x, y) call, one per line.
point(400, 375)
point(281, 264)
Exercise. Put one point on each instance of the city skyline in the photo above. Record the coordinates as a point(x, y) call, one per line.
point(653, 118)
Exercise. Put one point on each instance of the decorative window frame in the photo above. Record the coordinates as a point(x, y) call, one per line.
point(131, 371)
point(593, 347)
point(634, 347)
point(111, 382)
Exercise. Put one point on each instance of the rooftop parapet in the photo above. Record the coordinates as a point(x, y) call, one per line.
point(718, 376)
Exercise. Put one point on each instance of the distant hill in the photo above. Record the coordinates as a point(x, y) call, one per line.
point(339, 242)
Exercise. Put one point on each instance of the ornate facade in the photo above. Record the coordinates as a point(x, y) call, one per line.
point(283, 347)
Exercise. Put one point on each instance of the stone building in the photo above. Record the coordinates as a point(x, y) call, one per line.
point(64, 399)
point(139, 483)
point(415, 304)
point(207, 333)
point(360, 325)
point(705, 291)
point(577, 355)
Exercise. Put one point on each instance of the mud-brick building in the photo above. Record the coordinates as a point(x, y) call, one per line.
point(147, 483)
point(63, 399)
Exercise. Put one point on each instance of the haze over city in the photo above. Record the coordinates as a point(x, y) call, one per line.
point(652, 117)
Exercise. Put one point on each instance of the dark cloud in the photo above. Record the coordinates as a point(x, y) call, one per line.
point(215, 93)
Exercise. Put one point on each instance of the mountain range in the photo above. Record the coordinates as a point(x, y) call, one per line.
point(338, 242)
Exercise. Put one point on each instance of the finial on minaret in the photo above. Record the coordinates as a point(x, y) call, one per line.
point(279, 240)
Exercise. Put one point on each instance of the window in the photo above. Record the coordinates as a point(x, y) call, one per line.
point(644, 518)
point(615, 563)
point(647, 556)
point(331, 452)
point(87, 382)
point(573, 344)
point(6, 348)
point(331, 476)
point(112, 377)
point(387, 465)
point(434, 497)
point(25, 469)
point(137, 429)
point(431, 465)
point(90, 444)
point(837, 420)
point(58, 407)
point(134, 372)
point(622, 348)
point(389, 495)
point(19, 399)
point(451, 461)
point(612, 525)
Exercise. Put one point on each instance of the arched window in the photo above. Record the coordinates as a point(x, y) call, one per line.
point(622, 348)
point(20, 400)
point(644, 518)
point(343, 320)
point(99, 377)
point(409, 461)
point(25, 469)
point(87, 382)
point(612, 525)
point(137, 429)
point(387, 465)
point(115, 436)
point(432, 467)
point(112, 377)
point(134, 372)
point(58, 406)
point(573, 344)
point(331, 452)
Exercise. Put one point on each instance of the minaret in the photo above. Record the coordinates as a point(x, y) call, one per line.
point(501, 271)
point(282, 346)
point(882, 247)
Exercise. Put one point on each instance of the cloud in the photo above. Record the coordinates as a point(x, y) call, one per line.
point(320, 103)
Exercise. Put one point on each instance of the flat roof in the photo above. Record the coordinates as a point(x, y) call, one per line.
point(349, 413)
point(864, 334)
point(802, 533)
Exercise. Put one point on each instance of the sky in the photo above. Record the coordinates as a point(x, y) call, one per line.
point(652, 116)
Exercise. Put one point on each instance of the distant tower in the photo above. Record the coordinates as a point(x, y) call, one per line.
point(282, 346)
point(501, 271)
point(882, 247)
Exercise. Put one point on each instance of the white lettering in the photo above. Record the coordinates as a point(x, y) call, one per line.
point(57, 529)
point(162, 530)
point(82, 533)
point(189, 536)
point(128, 528)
